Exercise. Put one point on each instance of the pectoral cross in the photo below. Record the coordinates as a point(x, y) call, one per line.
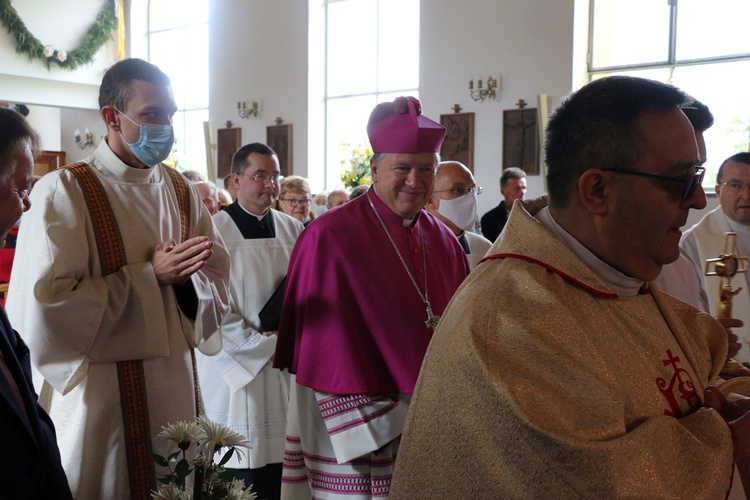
point(726, 266)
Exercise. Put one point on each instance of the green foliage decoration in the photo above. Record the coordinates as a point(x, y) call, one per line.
point(26, 43)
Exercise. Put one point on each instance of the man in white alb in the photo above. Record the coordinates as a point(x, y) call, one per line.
point(130, 292)
point(247, 394)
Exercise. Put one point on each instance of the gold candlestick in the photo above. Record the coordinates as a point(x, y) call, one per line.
point(726, 266)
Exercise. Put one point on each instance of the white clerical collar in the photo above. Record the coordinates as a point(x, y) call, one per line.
point(622, 285)
point(115, 168)
point(259, 217)
point(736, 227)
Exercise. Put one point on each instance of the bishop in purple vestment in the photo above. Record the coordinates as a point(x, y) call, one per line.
point(367, 282)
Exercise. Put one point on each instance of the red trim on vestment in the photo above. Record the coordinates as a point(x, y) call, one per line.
point(550, 268)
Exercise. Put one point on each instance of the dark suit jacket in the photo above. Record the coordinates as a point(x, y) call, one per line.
point(29, 458)
point(494, 221)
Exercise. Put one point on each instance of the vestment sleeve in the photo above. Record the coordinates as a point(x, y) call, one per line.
point(245, 351)
point(359, 424)
point(211, 282)
point(690, 247)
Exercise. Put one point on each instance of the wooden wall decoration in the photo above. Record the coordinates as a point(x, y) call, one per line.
point(229, 140)
point(520, 139)
point(458, 144)
point(279, 138)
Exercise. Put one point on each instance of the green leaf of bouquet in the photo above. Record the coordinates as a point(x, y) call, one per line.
point(227, 456)
point(159, 460)
point(226, 475)
point(182, 469)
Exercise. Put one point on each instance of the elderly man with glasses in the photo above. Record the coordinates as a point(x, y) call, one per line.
point(557, 370)
point(242, 389)
point(705, 240)
point(454, 203)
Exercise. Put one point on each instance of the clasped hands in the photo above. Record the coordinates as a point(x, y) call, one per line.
point(174, 263)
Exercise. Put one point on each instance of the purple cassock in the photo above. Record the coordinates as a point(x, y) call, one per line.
point(352, 320)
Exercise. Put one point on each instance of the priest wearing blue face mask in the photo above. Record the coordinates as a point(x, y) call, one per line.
point(454, 202)
point(119, 274)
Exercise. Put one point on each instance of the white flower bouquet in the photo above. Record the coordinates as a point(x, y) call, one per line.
point(210, 480)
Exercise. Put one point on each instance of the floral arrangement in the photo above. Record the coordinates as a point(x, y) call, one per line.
point(357, 173)
point(210, 480)
point(27, 43)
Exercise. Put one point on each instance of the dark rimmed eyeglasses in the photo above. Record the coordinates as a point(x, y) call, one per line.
point(294, 201)
point(689, 183)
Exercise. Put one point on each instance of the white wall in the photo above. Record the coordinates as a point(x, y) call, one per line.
point(258, 51)
point(72, 119)
point(530, 44)
point(46, 121)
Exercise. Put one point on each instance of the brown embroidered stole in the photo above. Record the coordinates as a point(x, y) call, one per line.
point(132, 382)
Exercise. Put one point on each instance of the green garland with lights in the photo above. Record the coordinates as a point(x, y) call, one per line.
point(26, 43)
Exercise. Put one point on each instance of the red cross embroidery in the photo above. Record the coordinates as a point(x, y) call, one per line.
point(683, 384)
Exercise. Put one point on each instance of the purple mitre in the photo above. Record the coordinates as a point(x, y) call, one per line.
point(400, 127)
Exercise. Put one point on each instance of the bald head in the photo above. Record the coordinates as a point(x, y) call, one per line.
point(453, 174)
point(452, 201)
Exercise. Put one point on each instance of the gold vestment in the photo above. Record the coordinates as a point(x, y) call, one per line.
point(540, 382)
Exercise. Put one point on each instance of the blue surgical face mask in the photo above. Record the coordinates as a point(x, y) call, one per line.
point(154, 144)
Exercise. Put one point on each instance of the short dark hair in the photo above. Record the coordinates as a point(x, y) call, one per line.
point(511, 173)
point(117, 89)
point(595, 127)
point(743, 158)
point(699, 115)
point(14, 130)
point(240, 158)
